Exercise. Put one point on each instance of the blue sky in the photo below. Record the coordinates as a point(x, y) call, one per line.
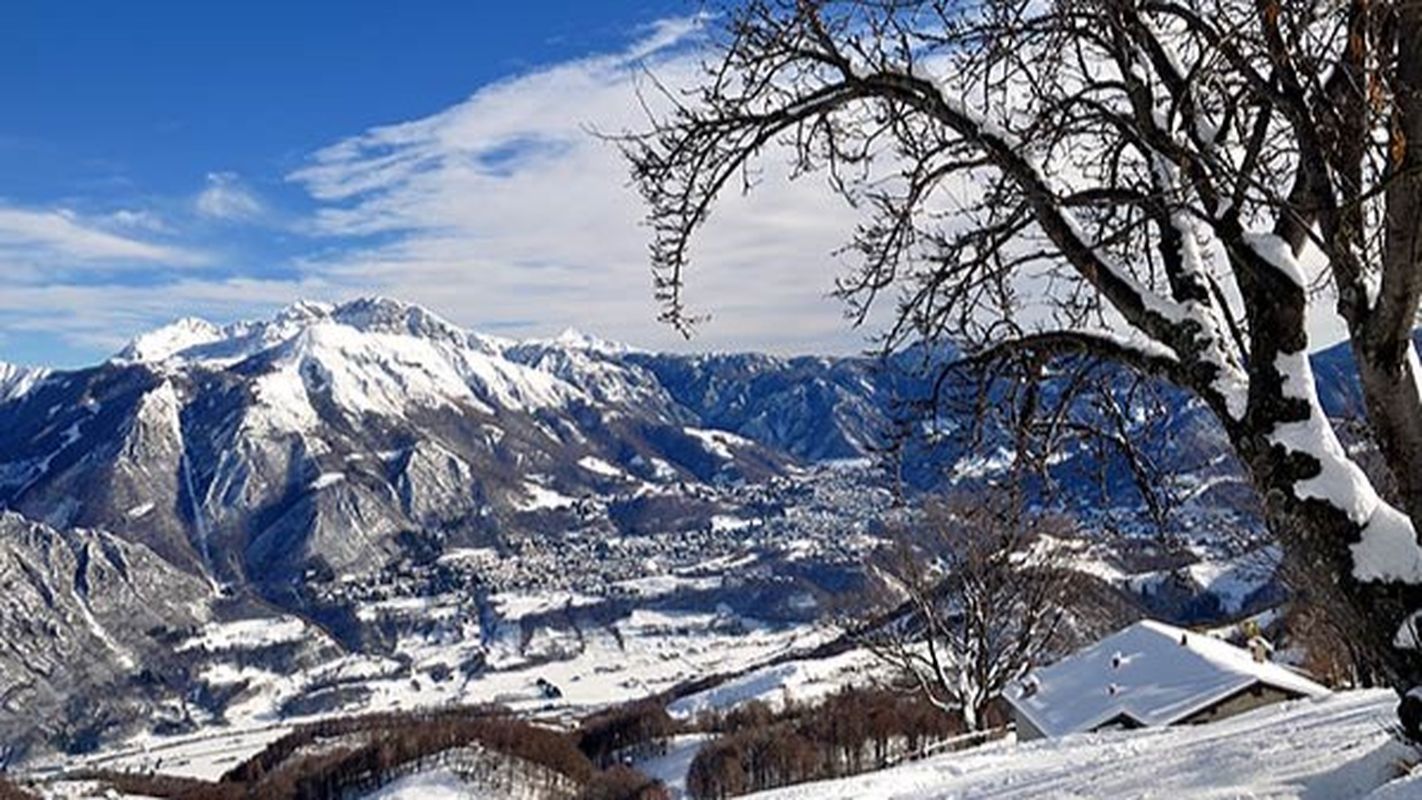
point(149, 92)
point(220, 159)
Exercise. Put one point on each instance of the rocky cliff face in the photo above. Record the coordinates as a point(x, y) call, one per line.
point(81, 613)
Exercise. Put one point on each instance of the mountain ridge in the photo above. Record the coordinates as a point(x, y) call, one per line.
point(223, 434)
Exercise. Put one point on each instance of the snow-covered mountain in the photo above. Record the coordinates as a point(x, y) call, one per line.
point(260, 450)
point(16, 380)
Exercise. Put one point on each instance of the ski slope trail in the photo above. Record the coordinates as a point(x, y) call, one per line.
point(1334, 747)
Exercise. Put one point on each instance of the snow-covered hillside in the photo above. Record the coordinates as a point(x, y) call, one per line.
point(16, 380)
point(81, 608)
point(1336, 747)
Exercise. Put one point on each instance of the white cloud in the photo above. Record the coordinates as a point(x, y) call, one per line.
point(227, 197)
point(500, 212)
point(503, 212)
point(139, 219)
point(60, 239)
point(103, 318)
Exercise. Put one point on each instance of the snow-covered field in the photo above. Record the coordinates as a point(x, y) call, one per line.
point(806, 680)
point(671, 767)
point(1335, 747)
point(248, 633)
point(436, 785)
point(650, 652)
point(206, 755)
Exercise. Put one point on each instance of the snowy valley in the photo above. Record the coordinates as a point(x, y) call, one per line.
point(362, 508)
point(966, 399)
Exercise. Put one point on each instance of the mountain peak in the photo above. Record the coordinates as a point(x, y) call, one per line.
point(196, 340)
point(165, 342)
point(377, 314)
point(199, 340)
point(305, 310)
point(16, 380)
point(574, 339)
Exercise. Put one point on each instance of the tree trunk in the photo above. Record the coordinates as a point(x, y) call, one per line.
point(1382, 339)
point(1318, 529)
point(1372, 612)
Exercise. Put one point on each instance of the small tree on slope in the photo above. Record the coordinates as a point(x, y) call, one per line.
point(1149, 176)
point(975, 598)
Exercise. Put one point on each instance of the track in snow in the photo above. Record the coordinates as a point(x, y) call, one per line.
point(1336, 747)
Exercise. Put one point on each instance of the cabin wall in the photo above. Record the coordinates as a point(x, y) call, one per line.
point(1244, 700)
point(1026, 731)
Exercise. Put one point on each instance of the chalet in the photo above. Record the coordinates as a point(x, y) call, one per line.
point(1147, 675)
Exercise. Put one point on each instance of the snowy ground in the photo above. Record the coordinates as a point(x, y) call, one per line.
point(653, 652)
point(803, 681)
point(205, 755)
point(1336, 747)
point(437, 785)
point(671, 767)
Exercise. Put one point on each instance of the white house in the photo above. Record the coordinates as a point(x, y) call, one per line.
point(1146, 675)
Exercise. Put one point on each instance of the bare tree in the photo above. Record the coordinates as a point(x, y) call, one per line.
point(1036, 408)
point(1140, 180)
point(971, 600)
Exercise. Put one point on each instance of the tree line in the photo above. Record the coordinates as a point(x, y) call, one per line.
point(9, 791)
point(854, 730)
point(629, 732)
point(375, 749)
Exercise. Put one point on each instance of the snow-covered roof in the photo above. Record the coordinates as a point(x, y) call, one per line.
point(1146, 673)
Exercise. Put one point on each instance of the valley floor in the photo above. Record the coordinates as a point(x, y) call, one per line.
point(1336, 747)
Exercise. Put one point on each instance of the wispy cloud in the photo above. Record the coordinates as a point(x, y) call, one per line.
point(501, 212)
point(504, 210)
point(61, 238)
point(105, 317)
point(227, 197)
point(138, 219)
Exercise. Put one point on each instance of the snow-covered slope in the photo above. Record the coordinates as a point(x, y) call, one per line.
point(16, 380)
point(439, 784)
point(264, 449)
point(169, 340)
point(1337, 747)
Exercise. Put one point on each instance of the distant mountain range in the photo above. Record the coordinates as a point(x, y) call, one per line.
point(336, 458)
point(321, 440)
point(259, 450)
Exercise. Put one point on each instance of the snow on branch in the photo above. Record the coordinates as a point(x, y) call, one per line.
point(1387, 549)
point(1144, 355)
